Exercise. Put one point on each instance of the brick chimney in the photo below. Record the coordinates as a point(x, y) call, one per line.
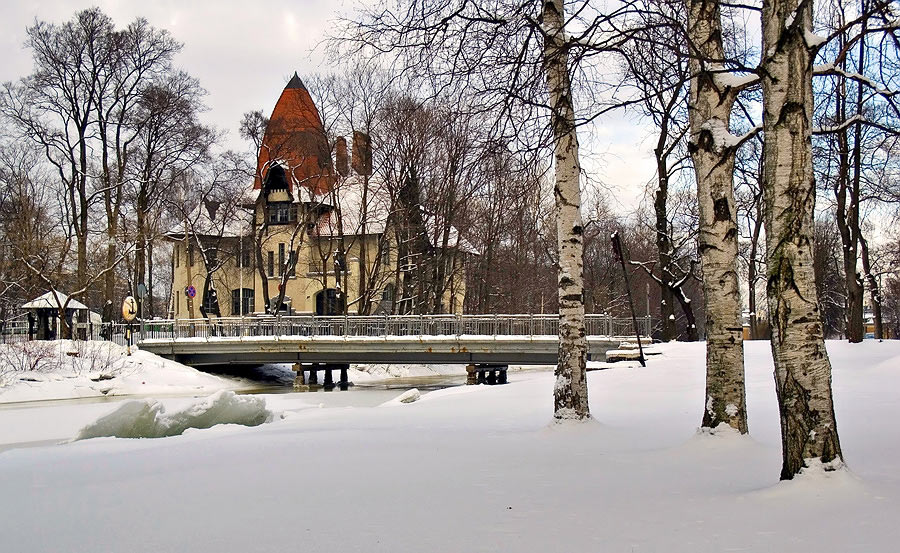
point(362, 153)
point(342, 160)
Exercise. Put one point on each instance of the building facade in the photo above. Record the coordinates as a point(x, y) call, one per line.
point(314, 235)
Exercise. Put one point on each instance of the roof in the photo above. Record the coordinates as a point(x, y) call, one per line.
point(295, 140)
point(295, 82)
point(49, 301)
point(206, 222)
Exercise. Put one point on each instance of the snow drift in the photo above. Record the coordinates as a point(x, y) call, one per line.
point(148, 419)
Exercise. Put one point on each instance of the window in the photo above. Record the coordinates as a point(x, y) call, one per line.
point(211, 301)
point(281, 259)
point(246, 261)
point(191, 255)
point(276, 178)
point(388, 293)
point(271, 264)
point(242, 306)
point(177, 256)
point(281, 213)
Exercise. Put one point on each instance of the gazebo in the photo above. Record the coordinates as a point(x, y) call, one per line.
point(43, 317)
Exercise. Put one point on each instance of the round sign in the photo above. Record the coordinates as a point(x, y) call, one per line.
point(129, 309)
point(191, 291)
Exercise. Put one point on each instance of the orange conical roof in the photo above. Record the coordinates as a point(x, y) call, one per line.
point(295, 139)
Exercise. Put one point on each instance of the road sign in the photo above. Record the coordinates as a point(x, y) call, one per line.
point(129, 309)
point(141, 291)
point(191, 291)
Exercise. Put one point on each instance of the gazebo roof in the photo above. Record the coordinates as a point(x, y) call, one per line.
point(49, 301)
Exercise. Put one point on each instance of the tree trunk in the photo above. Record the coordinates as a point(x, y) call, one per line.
point(713, 157)
point(570, 392)
point(802, 369)
point(664, 251)
point(874, 289)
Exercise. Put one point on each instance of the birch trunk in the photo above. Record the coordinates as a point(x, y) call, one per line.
point(570, 392)
point(802, 369)
point(713, 156)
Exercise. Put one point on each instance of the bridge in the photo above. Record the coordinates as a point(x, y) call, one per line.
point(465, 339)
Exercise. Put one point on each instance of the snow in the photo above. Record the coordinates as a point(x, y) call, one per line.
point(148, 418)
point(813, 40)
point(470, 468)
point(64, 369)
point(408, 396)
point(733, 80)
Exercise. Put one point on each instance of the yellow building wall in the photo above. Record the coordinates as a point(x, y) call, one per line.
point(301, 288)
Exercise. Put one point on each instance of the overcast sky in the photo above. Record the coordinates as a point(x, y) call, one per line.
point(244, 52)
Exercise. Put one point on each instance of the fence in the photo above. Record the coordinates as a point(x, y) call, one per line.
point(379, 325)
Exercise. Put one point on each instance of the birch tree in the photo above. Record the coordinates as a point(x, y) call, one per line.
point(802, 368)
point(515, 60)
point(713, 93)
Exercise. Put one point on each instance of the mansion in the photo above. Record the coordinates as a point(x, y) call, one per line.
point(317, 233)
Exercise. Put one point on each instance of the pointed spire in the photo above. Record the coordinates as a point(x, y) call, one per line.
point(295, 82)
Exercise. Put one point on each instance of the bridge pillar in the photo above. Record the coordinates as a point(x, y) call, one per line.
point(492, 377)
point(471, 375)
point(313, 373)
point(329, 380)
point(501, 376)
point(480, 377)
point(344, 383)
point(299, 381)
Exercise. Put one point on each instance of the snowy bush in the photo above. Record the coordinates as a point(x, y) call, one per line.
point(105, 358)
point(37, 357)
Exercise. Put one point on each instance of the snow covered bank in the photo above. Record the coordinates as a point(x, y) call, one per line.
point(148, 418)
point(64, 369)
point(479, 468)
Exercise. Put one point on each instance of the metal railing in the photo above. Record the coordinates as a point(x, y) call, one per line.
point(375, 325)
point(15, 331)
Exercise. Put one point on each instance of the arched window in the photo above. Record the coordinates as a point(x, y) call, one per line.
point(330, 302)
point(276, 178)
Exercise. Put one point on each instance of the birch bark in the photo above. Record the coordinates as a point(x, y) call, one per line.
point(570, 392)
point(713, 152)
point(802, 369)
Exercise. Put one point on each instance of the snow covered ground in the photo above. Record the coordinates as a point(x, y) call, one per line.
point(65, 369)
point(474, 468)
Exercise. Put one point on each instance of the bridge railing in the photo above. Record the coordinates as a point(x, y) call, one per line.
point(376, 325)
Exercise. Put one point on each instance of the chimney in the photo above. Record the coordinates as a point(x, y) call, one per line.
point(341, 155)
point(362, 153)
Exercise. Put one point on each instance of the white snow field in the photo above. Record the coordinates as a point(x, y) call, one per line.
point(470, 468)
